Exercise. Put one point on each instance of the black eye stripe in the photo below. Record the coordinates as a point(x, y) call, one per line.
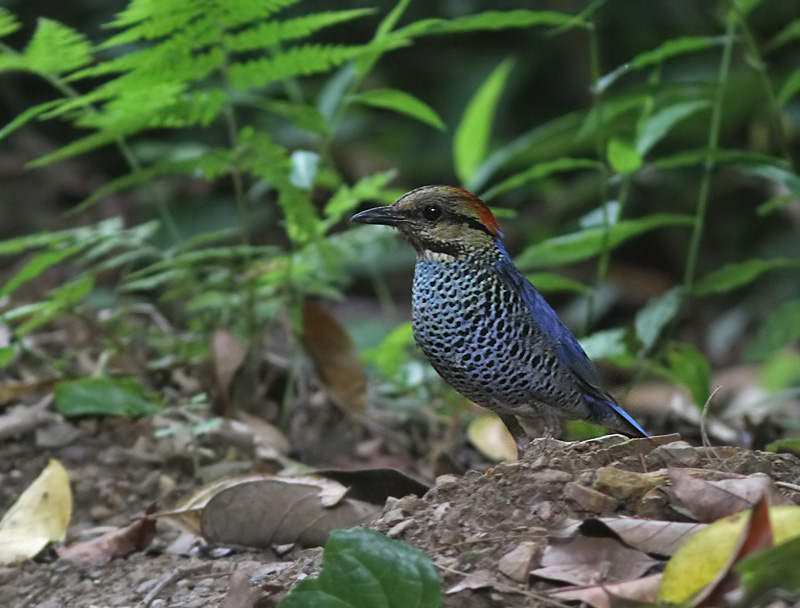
point(476, 225)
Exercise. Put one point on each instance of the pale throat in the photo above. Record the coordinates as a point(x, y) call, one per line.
point(427, 255)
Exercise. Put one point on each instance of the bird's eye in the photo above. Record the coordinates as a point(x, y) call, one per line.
point(432, 212)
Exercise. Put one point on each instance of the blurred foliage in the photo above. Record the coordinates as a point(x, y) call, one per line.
point(658, 142)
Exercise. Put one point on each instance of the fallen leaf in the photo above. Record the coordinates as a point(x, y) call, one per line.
point(227, 356)
point(650, 536)
point(334, 355)
point(14, 390)
point(39, 516)
point(588, 560)
point(709, 501)
point(480, 579)
point(116, 543)
point(516, 564)
point(488, 433)
point(700, 559)
point(640, 591)
point(272, 512)
point(757, 535)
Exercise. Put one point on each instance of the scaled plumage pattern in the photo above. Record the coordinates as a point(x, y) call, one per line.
point(485, 328)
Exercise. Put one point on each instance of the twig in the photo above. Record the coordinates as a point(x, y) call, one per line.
point(168, 579)
point(788, 486)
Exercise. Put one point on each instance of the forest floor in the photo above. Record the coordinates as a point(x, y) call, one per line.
point(492, 534)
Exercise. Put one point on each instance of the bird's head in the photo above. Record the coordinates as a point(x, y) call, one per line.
point(439, 220)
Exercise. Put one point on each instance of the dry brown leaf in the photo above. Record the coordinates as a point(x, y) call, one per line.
point(40, 515)
point(116, 543)
point(480, 579)
point(709, 501)
point(334, 355)
point(272, 512)
point(651, 536)
point(588, 561)
point(516, 564)
point(643, 591)
point(227, 357)
point(13, 391)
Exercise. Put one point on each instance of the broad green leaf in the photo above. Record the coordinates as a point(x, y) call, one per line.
point(733, 276)
point(364, 569)
point(104, 397)
point(404, 103)
point(606, 344)
point(669, 49)
point(73, 292)
point(591, 242)
point(491, 20)
point(7, 355)
point(780, 328)
point(604, 215)
point(471, 140)
point(623, 155)
point(659, 124)
point(36, 266)
point(781, 372)
point(789, 89)
point(547, 282)
point(8, 23)
point(772, 570)
point(329, 101)
point(56, 48)
point(689, 367)
point(537, 172)
point(652, 319)
point(790, 445)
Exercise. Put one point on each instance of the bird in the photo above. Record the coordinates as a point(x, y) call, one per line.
point(485, 328)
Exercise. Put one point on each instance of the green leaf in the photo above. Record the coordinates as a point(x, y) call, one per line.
point(623, 155)
point(699, 156)
point(8, 23)
point(789, 88)
point(606, 344)
point(775, 203)
point(790, 32)
point(774, 173)
point(656, 315)
point(588, 243)
point(548, 282)
point(403, 103)
point(304, 168)
point(780, 328)
point(687, 366)
point(104, 397)
point(790, 445)
point(25, 117)
point(659, 124)
point(7, 355)
point(56, 48)
point(347, 198)
point(671, 48)
point(471, 140)
point(36, 266)
point(537, 172)
point(364, 569)
point(771, 570)
point(491, 20)
point(733, 276)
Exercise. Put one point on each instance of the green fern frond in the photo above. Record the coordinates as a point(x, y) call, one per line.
point(8, 23)
point(297, 61)
point(269, 34)
point(56, 49)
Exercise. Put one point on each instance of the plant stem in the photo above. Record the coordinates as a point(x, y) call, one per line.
point(708, 167)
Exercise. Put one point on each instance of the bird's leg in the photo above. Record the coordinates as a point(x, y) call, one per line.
point(517, 433)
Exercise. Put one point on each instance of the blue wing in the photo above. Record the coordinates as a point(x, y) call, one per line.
point(565, 345)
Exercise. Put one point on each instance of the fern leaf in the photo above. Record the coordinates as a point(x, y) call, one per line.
point(298, 61)
point(269, 34)
point(27, 116)
point(56, 48)
point(8, 22)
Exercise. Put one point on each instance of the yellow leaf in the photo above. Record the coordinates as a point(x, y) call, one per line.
point(699, 559)
point(40, 515)
point(488, 433)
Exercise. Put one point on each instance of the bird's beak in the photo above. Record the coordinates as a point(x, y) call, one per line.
point(379, 215)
